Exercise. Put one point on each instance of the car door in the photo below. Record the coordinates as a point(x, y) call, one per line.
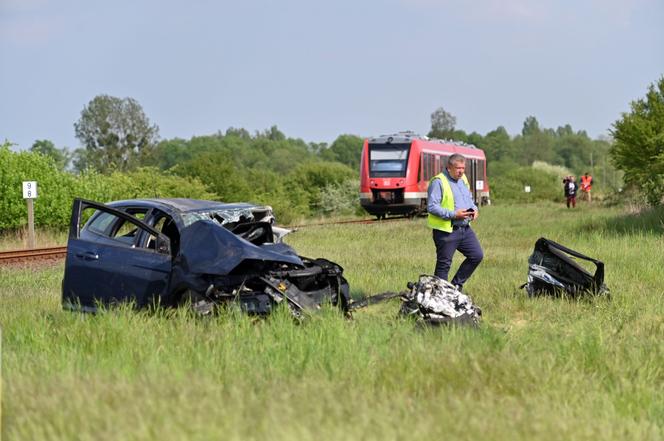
point(105, 263)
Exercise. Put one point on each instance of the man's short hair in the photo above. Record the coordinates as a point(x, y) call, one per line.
point(455, 158)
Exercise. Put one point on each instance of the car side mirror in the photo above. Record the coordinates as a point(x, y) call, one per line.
point(163, 244)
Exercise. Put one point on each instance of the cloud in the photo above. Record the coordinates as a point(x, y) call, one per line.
point(31, 32)
point(28, 22)
point(488, 9)
point(617, 12)
point(13, 6)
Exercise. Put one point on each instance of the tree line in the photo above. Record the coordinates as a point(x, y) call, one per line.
point(302, 179)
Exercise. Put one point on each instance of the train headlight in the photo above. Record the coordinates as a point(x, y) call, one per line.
point(372, 183)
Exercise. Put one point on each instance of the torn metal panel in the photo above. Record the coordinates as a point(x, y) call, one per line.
point(436, 301)
point(207, 248)
point(552, 269)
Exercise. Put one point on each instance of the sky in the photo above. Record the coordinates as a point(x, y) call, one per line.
point(321, 69)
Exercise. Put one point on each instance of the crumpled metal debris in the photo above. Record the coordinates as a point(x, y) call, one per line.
point(553, 269)
point(436, 301)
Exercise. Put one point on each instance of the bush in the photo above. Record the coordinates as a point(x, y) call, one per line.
point(313, 177)
point(52, 206)
point(341, 198)
point(509, 181)
point(152, 183)
point(57, 189)
point(551, 169)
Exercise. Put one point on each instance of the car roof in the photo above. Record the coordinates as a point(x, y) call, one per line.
point(182, 205)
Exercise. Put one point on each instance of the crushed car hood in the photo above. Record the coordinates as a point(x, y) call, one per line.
point(208, 248)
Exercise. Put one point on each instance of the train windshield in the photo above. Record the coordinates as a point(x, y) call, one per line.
point(388, 160)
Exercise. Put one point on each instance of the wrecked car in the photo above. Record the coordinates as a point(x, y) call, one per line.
point(203, 254)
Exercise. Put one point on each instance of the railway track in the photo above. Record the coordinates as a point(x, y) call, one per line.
point(33, 255)
point(352, 221)
point(40, 255)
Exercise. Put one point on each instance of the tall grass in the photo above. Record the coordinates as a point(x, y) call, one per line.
point(44, 237)
point(536, 369)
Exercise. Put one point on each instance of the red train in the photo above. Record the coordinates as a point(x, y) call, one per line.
point(395, 171)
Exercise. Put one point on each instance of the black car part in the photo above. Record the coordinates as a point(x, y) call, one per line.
point(552, 270)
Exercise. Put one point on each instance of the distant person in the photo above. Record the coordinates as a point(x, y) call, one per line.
point(586, 186)
point(570, 186)
point(451, 208)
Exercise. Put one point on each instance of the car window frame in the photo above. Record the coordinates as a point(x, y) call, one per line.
point(76, 228)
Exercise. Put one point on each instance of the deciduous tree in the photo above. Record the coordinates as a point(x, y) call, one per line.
point(639, 144)
point(346, 149)
point(116, 134)
point(61, 157)
point(442, 124)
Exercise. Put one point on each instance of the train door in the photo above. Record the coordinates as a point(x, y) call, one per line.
point(472, 175)
point(481, 185)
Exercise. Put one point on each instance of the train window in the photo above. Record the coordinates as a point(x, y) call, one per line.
point(443, 162)
point(425, 166)
point(429, 165)
point(422, 175)
point(388, 160)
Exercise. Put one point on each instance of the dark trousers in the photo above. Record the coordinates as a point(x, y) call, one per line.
point(464, 240)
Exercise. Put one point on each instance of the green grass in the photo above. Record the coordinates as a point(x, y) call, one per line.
point(546, 369)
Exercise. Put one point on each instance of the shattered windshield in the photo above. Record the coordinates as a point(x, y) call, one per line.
point(231, 216)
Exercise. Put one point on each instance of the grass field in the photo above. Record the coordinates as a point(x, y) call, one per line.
point(545, 369)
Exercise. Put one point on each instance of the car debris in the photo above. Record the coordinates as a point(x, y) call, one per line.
point(431, 301)
point(203, 254)
point(435, 301)
point(552, 270)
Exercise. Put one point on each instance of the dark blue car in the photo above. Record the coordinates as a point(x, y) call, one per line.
point(202, 254)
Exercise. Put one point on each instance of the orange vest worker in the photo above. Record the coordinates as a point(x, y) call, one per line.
point(586, 182)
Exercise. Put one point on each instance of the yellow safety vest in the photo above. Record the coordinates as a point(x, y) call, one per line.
point(447, 203)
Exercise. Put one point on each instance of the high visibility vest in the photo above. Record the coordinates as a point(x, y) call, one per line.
point(586, 182)
point(447, 203)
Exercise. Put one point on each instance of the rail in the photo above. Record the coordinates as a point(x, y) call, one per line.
point(33, 255)
point(351, 221)
point(55, 253)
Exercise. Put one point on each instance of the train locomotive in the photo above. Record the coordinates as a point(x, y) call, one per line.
point(395, 171)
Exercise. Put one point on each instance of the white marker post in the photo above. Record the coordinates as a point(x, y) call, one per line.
point(30, 193)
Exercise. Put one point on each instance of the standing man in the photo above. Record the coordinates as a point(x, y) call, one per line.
point(586, 186)
point(570, 191)
point(451, 208)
